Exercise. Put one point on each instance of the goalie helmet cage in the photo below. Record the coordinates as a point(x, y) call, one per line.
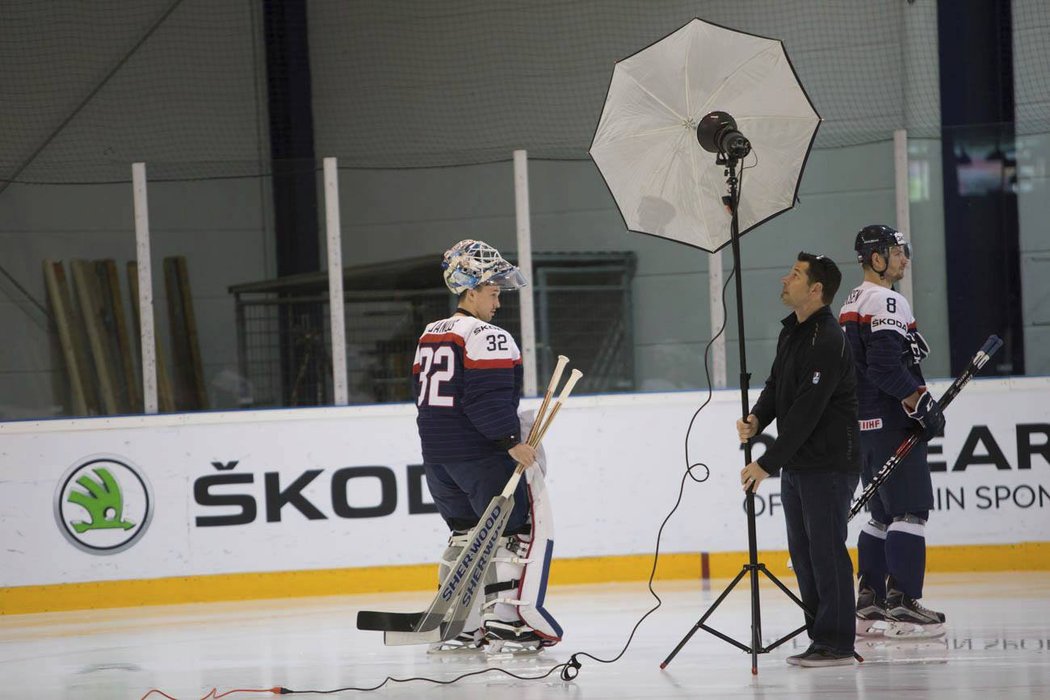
point(388, 305)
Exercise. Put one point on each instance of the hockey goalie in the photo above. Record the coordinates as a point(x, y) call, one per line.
point(467, 383)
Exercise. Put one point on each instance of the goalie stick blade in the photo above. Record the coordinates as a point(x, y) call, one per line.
point(442, 633)
point(398, 639)
point(388, 621)
point(378, 621)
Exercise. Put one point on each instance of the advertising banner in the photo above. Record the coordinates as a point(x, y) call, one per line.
point(288, 490)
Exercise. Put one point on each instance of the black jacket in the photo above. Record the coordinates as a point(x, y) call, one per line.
point(812, 394)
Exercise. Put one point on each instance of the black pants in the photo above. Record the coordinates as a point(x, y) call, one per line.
point(816, 506)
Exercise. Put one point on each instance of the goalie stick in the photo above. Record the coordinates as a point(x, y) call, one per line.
point(446, 616)
point(447, 613)
point(976, 363)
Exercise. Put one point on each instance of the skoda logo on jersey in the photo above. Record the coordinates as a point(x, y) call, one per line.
point(103, 504)
point(816, 377)
point(877, 323)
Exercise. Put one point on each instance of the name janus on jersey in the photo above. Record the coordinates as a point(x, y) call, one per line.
point(443, 326)
point(448, 324)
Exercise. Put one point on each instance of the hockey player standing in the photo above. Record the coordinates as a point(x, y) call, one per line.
point(468, 381)
point(811, 392)
point(891, 391)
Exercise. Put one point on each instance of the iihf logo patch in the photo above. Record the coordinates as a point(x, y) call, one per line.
point(816, 377)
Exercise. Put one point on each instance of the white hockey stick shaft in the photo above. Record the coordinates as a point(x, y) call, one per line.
point(574, 377)
point(538, 433)
point(551, 386)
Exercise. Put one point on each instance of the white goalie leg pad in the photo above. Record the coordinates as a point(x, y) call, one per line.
point(456, 542)
point(522, 566)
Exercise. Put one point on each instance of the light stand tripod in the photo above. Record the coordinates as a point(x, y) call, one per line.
point(719, 134)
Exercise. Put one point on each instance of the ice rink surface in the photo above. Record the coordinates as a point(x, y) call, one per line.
point(997, 646)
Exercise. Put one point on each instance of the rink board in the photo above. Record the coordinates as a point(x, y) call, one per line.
point(314, 501)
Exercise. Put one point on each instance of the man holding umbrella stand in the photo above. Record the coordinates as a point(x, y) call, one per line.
point(680, 117)
point(811, 392)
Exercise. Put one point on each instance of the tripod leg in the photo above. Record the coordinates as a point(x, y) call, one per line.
point(787, 591)
point(703, 619)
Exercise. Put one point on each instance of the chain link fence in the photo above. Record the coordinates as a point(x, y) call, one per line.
point(582, 309)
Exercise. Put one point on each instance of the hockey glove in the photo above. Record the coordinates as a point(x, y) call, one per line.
point(928, 414)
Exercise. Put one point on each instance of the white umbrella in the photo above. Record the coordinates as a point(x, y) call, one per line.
point(646, 145)
point(701, 91)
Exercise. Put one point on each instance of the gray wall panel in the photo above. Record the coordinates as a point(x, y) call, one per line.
point(219, 225)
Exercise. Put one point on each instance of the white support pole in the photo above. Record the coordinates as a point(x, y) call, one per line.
point(900, 172)
point(718, 348)
point(528, 315)
point(336, 307)
point(147, 337)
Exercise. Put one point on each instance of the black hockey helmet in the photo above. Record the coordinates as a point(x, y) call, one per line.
point(877, 238)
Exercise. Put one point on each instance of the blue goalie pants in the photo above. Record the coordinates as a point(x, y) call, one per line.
point(462, 491)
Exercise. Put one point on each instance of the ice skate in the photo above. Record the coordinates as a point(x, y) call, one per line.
point(911, 620)
point(504, 638)
point(871, 614)
point(462, 643)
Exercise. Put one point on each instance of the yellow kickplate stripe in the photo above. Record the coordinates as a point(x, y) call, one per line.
point(206, 589)
point(1028, 556)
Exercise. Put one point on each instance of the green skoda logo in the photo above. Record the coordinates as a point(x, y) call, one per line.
point(103, 504)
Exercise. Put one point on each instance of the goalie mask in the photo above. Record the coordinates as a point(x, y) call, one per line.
point(879, 239)
point(470, 263)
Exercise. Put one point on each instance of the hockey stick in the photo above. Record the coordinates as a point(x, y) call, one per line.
point(559, 368)
point(976, 363)
point(439, 621)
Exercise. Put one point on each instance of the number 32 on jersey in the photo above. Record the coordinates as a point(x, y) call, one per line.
point(436, 365)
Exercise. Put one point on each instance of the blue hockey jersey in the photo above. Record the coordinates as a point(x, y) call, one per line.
point(468, 380)
point(887, 349)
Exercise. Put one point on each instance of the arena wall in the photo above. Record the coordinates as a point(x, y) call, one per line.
point(333, 501)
